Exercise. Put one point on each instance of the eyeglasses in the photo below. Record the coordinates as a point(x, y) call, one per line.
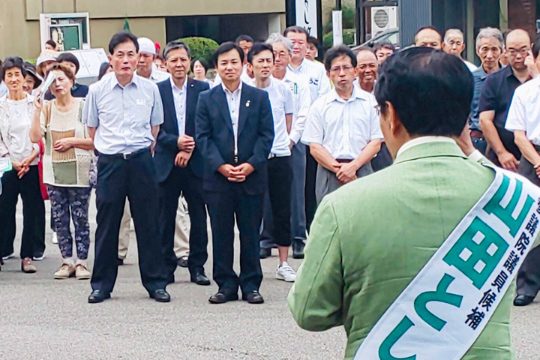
point(339, 68)
point(280, 54)
point(523, 52)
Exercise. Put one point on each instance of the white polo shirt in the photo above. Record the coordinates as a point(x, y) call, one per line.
point(302, 102)
point(524, 113)
point(315, 75)
point(282, 104)
point(343, 128)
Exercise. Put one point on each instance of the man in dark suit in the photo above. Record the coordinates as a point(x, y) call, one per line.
point(179, 163)
point(235, 132)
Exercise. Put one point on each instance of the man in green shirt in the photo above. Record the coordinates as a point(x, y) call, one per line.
point(372, 237)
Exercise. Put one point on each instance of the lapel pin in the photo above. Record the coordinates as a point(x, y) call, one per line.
point(247, 103)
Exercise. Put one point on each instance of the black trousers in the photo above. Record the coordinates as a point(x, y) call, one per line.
point(117, 179)
point(223, 207)
point(311, 180)
point(382, 160)
point(183, 181)
point(33, 235)
point(277, 205)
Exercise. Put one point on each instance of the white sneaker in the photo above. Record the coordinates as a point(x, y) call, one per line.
point(286, 273)
point(7, 257)
point(54, 239)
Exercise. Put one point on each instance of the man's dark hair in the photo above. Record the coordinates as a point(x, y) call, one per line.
point(51, 42)
point(313, 41)
point(175, 45)
point(259, 48)
point(120, 38)
point(296, 29)
point(225, 48)
point(13, 62)
point(431, 91)
point(69, 57)
point(244, 38)
point(426, 28)
point(536, 47)
point(203, 62)
point(336, 52)
point(384, 45)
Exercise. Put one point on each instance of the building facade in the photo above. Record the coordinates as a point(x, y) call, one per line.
point(162, 20)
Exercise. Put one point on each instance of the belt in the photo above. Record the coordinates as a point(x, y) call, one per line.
point(126, 156)
point(477, 134)
point(344, 161)
point(271, 156)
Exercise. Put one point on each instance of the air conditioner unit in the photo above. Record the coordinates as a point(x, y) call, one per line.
point(383, 18)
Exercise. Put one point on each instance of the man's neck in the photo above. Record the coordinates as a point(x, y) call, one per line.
point(345, 93)
point(145, 73)
point(16, 95)
point(232, 86)
point(295, 63)
point(521, 75)
point(491, 70)
point(280, 74)
point(366, 86)
point(262, 83)
point(123, 80)
point(179, 82)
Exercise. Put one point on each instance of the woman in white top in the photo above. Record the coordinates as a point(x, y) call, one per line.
point(16, 112)
point(66, 169)
point(199, 68)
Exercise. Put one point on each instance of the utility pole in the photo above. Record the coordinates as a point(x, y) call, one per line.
point(337, 24)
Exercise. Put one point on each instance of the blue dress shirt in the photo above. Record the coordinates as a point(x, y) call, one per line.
point(123, 115)
point(479, 76)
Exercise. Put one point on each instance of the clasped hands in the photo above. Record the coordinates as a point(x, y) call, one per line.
point(186, 144)
point(345, 172)
point(238, 173)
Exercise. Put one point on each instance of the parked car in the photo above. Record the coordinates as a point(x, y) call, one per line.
point(390, 35)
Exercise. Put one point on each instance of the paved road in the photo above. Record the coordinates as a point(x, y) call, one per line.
point(46, 319)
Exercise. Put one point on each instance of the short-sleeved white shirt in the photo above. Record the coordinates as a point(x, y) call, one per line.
point(524, 112)
point(282, 104)
point(315, 76)
point(343, 128)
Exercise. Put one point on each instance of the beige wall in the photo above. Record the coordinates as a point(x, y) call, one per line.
point(154, 8)
point(101, 31)
point(17, 37)
point(19, 19)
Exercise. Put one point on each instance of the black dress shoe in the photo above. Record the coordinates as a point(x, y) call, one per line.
point(222, 298)
point(120, 262)
point(199, 278)
point(265, 253)
point(523, 300)
point(161, 296)
point(253, 298)
point(183, 261)
point(98, 296)
point(298, 249)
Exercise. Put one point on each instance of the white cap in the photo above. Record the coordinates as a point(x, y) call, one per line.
point(146, 46)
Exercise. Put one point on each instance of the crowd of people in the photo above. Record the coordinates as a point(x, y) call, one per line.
point(259, 147)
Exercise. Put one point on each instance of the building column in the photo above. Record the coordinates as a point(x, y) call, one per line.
point(522, 15)
point(413, 14)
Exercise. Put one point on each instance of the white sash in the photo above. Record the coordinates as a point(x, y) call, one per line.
point(445, 308)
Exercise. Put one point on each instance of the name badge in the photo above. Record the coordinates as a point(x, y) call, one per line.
point(143, 102)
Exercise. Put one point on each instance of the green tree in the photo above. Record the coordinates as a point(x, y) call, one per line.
point(201, 47)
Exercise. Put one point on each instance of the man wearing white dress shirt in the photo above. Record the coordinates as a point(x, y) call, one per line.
point(278, 202)
point(342, 128)
point(319, 84)
point(524, 120)
point(302, 101)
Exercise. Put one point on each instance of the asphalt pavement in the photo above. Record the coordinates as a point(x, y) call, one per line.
point(43, 318)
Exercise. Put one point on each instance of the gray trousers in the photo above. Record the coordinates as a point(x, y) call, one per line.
point(298, 193)
point(328, 182)
point(528, 278)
